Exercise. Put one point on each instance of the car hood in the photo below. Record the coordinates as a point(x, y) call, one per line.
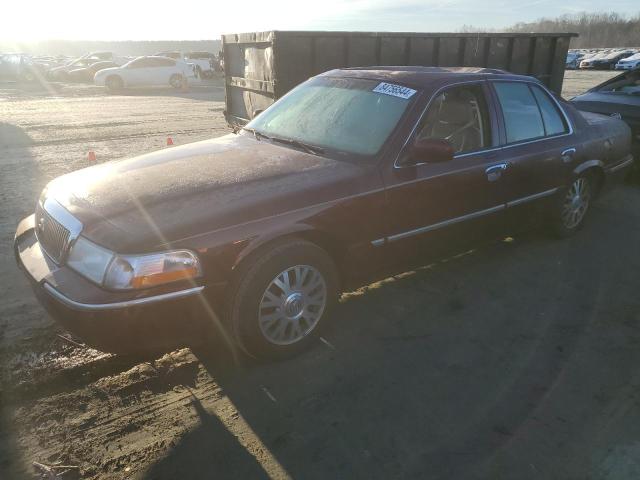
point(136, 204)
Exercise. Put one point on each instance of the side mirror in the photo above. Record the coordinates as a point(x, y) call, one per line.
point(257, 112)
point(429, 150)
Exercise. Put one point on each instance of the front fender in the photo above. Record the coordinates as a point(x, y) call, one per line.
point(254, 244)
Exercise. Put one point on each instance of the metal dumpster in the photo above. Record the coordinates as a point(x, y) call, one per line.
point(261, 67)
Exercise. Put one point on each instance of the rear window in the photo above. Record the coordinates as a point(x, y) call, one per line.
point(521, 114)
point(163, 62)
point(554, 124)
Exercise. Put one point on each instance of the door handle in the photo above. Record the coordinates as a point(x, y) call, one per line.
point(567, 155)
point(494, 172)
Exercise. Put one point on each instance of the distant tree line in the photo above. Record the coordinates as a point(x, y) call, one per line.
point(595, 29)
point(133, 48)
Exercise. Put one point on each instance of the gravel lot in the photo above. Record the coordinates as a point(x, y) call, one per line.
point(517, 360)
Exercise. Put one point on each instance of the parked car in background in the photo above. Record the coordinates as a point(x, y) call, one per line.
point(87, 74)
point(206, 62)
point(18, 67)
point(353, 175)
point(587, 60)
point(573, 60)
point(606, 61)
point(629, 63)
point(201, 61)
point(61, 73)
point(146, 72)
point(618, 97)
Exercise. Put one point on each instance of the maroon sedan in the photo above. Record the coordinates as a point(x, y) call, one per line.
point(353, 175)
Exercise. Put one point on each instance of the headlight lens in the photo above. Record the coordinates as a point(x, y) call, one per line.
point(89, 259)
point(141, 271)
point(125, 272)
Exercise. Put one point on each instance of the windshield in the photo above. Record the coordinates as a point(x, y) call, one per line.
point(349, 115)
point(629, 84)
point(632, 58)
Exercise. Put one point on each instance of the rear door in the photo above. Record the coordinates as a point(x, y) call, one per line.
point(436, 208)
point(537, 148)
point(136, 71)
point(163, 69)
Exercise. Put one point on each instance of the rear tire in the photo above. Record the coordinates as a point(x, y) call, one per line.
point(114, 83)
point(572, 206)
point(282, 299)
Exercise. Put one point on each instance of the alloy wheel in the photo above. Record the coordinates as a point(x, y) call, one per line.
point(576, 202)
point(292, 304)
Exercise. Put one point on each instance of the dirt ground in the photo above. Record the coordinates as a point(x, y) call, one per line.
point(517, 360)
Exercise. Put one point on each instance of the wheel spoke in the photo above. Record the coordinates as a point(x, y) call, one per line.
point(576, 202)
point(284, 287)
point(299, 272)
point(279, 332)
point(270, 300)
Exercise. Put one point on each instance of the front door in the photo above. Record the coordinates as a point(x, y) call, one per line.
point(437, 208)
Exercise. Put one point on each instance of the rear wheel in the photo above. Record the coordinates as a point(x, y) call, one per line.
point(176, 80)
point(282, 299)
point(573, 205)
point(114, 83)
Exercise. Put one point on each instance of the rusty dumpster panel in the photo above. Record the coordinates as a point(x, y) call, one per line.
point(260, 67)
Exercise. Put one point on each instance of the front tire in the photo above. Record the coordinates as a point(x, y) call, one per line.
point(572, 206)
point(176, 80)
point(282, 299)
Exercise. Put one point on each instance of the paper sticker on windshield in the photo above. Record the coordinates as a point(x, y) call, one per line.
point(394, 90)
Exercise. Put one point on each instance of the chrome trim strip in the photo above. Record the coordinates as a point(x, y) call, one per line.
point(116, 305)
point(435, 226)
point(62, 215)
point(67, 220)
point(530, 198)
point(624, 163)
point(398, 236)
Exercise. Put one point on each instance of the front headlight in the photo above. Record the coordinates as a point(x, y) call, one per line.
point(125, 272)
point(141, 271)
point(89, 259)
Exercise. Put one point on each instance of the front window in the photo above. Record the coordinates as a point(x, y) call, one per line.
point(350, 115)
point(459, 115)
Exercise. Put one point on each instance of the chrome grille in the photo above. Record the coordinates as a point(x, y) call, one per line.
point(53, 237)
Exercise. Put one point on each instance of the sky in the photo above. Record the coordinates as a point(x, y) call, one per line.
point(37, 20)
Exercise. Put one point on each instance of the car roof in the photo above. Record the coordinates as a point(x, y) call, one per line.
point(414, 76)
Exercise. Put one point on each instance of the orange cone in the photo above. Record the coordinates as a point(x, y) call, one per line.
point(91, 156)
point(169, 141)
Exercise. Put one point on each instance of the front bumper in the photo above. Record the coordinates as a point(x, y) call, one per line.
point(119, 322)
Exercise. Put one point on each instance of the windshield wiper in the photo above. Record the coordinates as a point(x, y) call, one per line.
point(256, 133)
point(312, 149)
